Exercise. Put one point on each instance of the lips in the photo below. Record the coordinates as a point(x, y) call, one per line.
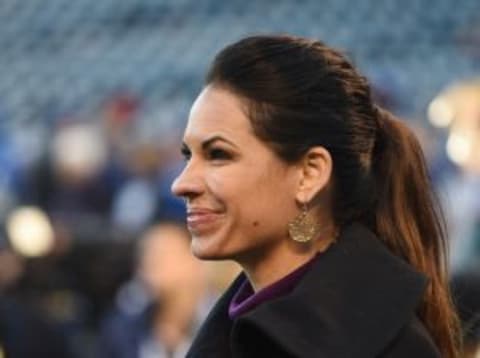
point(200, 220)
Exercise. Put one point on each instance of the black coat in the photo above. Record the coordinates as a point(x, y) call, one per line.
point(357, 301)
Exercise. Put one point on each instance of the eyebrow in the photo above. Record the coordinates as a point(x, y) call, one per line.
point(211, 140)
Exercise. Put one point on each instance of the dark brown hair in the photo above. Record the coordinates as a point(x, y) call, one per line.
point(301, 93)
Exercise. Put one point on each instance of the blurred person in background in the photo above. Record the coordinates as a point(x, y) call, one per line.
point(69, 183)
point(119, 116)
point(158, 312)
point(62, 282)
point(25, 334)
point(24, 331)
point(324, 200)
point(141, 188)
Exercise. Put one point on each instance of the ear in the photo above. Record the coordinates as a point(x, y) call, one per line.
point(315, 173)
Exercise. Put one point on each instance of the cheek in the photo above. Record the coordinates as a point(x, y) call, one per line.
point(229, 187)
point(267, 203)
point(239, 193)
point(254, 195)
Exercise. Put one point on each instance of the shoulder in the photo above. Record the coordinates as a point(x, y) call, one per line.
point(412, 341)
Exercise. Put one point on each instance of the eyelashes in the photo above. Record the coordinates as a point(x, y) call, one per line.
point(218, 154)
point(186, 153)
point(215, 154)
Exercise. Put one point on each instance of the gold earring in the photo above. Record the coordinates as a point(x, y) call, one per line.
point(303, 228)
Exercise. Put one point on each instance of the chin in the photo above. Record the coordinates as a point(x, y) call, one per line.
point(204, 249)
point(208, 254)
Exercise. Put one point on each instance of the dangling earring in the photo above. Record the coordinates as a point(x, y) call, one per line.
point(303, 228)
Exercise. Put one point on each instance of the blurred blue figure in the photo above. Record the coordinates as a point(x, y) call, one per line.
point(158, 312)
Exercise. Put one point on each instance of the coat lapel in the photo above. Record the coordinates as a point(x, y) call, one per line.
point(352, 303)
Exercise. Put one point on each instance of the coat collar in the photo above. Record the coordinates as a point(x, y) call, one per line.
point(352, 303)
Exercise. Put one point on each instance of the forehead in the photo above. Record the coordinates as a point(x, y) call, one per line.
point(217, 111)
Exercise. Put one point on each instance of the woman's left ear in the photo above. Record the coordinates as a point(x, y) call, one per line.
point(315, 171)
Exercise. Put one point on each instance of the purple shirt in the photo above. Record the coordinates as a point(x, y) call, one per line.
point(245, 299)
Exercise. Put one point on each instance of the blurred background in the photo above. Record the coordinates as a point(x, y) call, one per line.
point(94, 95)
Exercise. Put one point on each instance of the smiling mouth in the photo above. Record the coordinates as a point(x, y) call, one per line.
point(201, 221)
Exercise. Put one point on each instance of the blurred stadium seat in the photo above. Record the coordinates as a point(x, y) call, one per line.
point(71, 54)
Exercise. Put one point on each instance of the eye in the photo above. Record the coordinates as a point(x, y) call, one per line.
point(186, 154)
point(218, 154)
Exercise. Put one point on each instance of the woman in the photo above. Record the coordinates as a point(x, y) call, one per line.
point(324, 201)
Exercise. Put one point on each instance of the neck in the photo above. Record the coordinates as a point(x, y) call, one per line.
point(275, 263)
point(264, 271)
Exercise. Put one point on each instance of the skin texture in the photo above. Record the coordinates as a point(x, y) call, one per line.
point(240, 195)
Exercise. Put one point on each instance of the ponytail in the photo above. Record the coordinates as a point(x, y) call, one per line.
point(408, 219)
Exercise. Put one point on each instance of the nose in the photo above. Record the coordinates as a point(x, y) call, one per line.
point(188, 184)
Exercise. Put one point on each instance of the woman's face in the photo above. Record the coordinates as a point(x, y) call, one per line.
point(240, 196)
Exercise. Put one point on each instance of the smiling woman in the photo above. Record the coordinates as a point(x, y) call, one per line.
point(231, 180)
point(324, 201)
